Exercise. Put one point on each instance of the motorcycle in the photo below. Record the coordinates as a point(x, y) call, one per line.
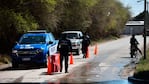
point(134, 50)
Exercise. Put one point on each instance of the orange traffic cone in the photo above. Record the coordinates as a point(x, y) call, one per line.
point(59, 58)
point(59, 61)
point(87, 53)
point(95, 50)
point(49, 70)
point(71, 58)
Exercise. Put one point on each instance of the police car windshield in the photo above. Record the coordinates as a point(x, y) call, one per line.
point(72, 35)
point(32, 40)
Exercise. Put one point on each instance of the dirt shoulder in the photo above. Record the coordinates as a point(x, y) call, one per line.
point(129, 69)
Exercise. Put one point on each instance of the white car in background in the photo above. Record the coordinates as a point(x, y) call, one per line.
point(76, 40)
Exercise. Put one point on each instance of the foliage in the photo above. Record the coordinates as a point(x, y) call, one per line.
point(143, 65)
point(76, 14)
point(142, 68)
point(109, 19)
point(19, 22)
point(44, 12)
point(12, 24)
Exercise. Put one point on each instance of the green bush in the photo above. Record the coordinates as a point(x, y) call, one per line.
point(142, 68)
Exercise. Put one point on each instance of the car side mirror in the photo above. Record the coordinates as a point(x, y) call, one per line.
point(50, 42)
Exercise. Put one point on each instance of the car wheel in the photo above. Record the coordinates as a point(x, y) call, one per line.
point(45, 64)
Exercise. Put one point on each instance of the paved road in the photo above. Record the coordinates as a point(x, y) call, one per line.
point(106, 66)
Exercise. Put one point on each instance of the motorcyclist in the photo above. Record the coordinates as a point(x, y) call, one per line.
point(134, 45)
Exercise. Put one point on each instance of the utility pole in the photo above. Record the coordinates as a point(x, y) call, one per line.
point(145, 29)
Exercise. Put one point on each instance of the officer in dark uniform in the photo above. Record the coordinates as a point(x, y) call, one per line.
point(85, 44)
point(64, 47)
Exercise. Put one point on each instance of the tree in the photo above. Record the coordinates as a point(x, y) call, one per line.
point(13, 23)
point(44, 12)
point(108, 19)
point(76, 14)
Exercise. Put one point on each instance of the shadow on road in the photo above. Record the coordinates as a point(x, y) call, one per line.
point(24, 67)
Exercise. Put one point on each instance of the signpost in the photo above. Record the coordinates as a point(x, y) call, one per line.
point(145, 29)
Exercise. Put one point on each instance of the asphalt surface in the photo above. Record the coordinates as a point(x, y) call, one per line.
point(106, 66)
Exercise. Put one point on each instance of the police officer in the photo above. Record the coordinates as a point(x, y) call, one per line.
point(85, 44)
point(64, 47)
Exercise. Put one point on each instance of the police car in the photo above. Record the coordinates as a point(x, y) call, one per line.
point(34, 47)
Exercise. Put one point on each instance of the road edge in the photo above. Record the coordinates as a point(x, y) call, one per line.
point(4, 66)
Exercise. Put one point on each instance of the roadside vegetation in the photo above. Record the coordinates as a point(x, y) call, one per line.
point(142, 68)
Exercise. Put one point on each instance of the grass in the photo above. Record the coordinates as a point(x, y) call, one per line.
point(142, 68)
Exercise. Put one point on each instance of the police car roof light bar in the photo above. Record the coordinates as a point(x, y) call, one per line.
point(38, 31)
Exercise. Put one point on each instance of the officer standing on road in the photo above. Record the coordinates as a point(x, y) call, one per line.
point(64, 47)
point(85, 44)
